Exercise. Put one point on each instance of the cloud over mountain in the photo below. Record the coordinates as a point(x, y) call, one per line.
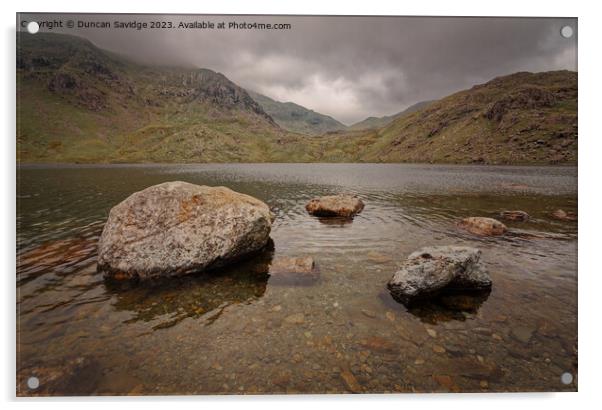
point(348, 67)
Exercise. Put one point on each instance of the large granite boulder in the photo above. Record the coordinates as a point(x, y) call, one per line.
point(176, 228)
point(335, 205)
point(431, 270)
point(483, 226)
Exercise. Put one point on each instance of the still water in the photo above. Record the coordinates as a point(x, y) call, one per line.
point(235, 332)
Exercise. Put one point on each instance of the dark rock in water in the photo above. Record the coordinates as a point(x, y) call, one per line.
point(563, 215)
point(431, 270)
point(335, 205)
point(177, 228)
point(514, 215)
point(74, 377)
point(286, 270)
point(483, 226)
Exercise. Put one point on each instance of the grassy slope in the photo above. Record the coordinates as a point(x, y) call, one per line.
point(520, 118)
point(295, 118)
point(379, 122)
point(77, 103)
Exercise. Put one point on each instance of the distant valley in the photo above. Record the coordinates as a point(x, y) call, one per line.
point(78, 103)
point(379, 122)
point(295, 118)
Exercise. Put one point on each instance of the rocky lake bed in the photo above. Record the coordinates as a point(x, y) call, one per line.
point(317, 295)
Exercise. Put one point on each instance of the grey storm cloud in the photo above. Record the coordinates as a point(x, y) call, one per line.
point(347, 67)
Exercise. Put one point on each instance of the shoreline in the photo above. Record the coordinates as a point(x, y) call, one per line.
point(141, 164)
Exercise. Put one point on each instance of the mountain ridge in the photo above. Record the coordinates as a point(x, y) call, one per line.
point(78, 103)
point(296, 118)
point(379, 122)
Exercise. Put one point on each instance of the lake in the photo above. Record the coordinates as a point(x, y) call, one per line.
point(234, 332)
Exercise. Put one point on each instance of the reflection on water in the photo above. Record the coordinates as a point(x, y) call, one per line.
point(335, 221)
point(450, 305)
point(168, 301)
point(237, 330)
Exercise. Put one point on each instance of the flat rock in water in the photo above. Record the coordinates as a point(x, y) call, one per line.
point(295, 319)
point(523, 333)
point(335, 205)
point(286, 270)
point(563, 215)
point(514, 215)
point(483, 226)
point(379, 344)
point(428, 271)
point(176, 228)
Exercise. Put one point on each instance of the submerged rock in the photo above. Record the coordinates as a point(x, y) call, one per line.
point(335, 205)
point(483, 226)
point(523, 333)
point(63, 256)
point(379, 344)
point(295, 319)
point(286, 270)
point(514, 215)
point(431, 270)
point(176, 228)
point(563, 215)
point(350, 381)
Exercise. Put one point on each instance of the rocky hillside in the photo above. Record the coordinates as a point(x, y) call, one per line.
point(379, 122)
point(78, 103)
point(295, 118)
point(516, 119)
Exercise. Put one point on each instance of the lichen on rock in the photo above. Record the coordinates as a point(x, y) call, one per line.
point(177, 228)
point(483, 226)
point(335, 205)
point(430, 270)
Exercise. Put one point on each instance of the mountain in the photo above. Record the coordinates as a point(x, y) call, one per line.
point(295, 118)
point(520, 118)
point(379, 122)
point(78, 103)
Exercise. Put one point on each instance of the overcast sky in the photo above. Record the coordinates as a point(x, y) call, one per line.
point(347, 67)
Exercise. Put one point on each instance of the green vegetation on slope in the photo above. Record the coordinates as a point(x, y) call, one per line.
point(295, 118)
point(379, 122)
point(77, 103)
point(516, 119)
